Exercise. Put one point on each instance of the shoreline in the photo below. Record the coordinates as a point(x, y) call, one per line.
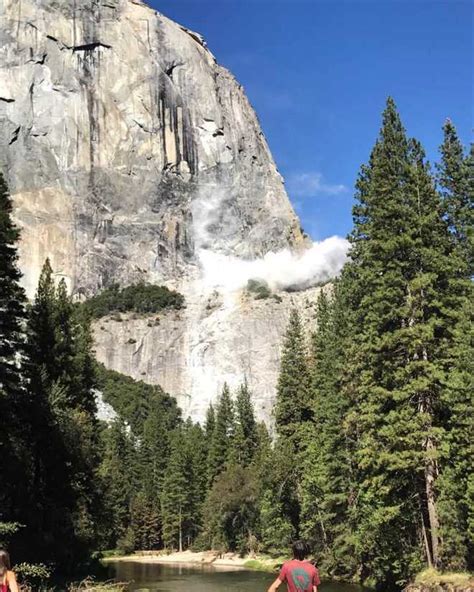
point(201, 558)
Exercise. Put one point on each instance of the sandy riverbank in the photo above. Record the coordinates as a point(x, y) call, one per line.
point(213, 558)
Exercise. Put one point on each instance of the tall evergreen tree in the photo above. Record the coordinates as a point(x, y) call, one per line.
point(223, 434)
point(12, 301)
point(327, 481)
point(458, 194)
point(15, 435)
point(455, 486)
point(175, 499)
point(64, 442)
point(401, 269)
point(293, 404)
point(246, 436)
point(114, 471)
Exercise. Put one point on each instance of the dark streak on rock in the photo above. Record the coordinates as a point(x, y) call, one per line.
point(15, 135)
point(91, 46)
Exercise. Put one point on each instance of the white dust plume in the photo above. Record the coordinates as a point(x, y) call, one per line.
point(282, 270)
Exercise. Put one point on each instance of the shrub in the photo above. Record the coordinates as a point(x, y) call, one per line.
point(140, 298)
point(259, 288)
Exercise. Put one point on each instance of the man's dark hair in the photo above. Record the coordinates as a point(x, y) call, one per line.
point(300, 550)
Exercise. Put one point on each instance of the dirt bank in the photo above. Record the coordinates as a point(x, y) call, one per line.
point(227, 560)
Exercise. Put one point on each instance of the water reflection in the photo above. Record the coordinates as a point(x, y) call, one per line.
point(153, 577)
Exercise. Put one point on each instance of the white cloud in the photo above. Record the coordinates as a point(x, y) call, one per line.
point(311, 184)
point(280, 270)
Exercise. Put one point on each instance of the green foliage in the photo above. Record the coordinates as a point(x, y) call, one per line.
point(373, 450)
point(246, 435)
point(231, 512)
point(259, 288)
point(12, 301)
point(455, 177)
point(326, 483)
point(33, 576)
point(65, 498)
point(293, 405)
point(140, 298)
point(136, 453)
point(115, 472)
point(136, 401)
point(221, 444)
point(15, 457)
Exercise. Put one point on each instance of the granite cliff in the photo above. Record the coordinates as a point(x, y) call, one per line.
point(132, 156)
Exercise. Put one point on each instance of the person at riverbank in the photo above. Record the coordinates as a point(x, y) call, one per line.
point(7, 576)
point(298, 574)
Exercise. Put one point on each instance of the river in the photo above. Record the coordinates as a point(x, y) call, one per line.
point(153, 577)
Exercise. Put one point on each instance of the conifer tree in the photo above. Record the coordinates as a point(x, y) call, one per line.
point(326, 484)
point(145, 523)
point(115, 472)
point(15, 436)
point(458, 195)
point(401, 267)
point(222, 437)
point(246, 436)
point(64, 442)
point(210, 422)
point(175, 496)
point(293, 404)
point(196, 471)
point(12, 301)
point(279, 499)
point(455, 486)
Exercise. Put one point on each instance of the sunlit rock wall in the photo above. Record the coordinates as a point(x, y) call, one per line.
point(128, 150)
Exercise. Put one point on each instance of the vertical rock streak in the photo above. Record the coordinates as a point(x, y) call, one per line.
point(127, 148)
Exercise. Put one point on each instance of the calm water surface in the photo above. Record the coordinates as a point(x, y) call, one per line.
point(170, 578)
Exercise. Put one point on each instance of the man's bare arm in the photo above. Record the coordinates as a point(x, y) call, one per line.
point(276, 584)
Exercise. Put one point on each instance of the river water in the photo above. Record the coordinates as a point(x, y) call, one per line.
point(154, 577)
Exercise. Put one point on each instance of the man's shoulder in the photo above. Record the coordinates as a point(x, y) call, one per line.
point(295, 563)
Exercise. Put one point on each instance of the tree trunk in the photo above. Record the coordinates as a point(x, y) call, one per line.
point(430, 479)
point(426, 543)
point(431, 474)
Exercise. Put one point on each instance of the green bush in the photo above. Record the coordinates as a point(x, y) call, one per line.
point(141, 298)
point(32, 575)
point(259, 288)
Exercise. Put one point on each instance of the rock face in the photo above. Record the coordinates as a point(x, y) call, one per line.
point(127, 147)
point(216, 339)
point(128, 151)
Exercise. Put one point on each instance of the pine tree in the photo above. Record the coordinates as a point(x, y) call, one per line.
point(279, 500)
point(210, 422)
point(231, 511)
point(15, 463)
point(293, 405)
point(175, 496)
point(145, 523)
point(327, 483)
point(222, 437)
point(455, 486)
point(12, 301)
point(401, 271)
point(458, 195)
point(246, 436)
point(114, 472)
point(65, 443)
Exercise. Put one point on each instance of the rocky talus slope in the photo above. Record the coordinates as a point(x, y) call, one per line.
point(129, 152)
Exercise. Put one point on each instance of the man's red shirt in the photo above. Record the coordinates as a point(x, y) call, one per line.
point(300, 576)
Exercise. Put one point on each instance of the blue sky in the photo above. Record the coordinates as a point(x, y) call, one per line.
point(318, 73)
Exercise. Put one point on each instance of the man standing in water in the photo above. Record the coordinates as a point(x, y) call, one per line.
point(299, 575)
